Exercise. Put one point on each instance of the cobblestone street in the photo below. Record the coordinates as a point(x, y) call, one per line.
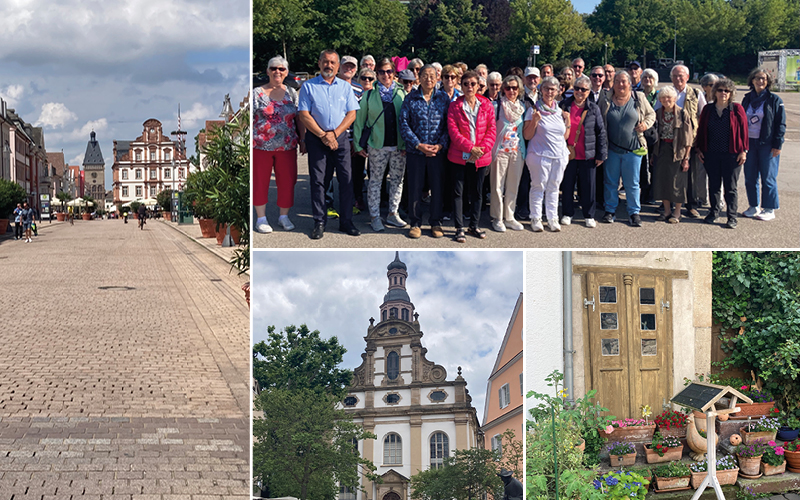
point(123, 366)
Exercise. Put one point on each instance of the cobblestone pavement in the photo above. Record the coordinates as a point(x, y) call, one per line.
point(123, 367)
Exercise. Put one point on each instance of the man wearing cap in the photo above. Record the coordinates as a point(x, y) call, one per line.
point(347, 71)
point(523, 208)
point(635, 68)
point(532, 77)
point(407, 78)
point(327, 107)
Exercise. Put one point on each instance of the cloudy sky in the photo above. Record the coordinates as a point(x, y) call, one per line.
point(464, 300)
point(73, 66)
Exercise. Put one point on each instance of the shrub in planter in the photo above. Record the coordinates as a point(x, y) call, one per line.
point(621, 453)
point(792, 453)
point(622, 484)
point(663, 449)
point(764, 428)
point(773, 461)
point(672, 475)
point(727, 471)
point(11, 193)
point(749, 456)
point(790, 427)
point(671, 423)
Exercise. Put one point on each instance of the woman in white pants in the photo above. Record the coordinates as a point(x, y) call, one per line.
point(546, 127)
point(509, 155)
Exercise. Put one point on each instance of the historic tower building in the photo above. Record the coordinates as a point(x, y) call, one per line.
point(419, 416)
point(94, 171)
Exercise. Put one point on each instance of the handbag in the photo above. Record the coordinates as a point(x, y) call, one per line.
point(571, 147)
point(367, 130)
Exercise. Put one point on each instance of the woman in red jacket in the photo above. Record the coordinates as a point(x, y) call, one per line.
point(470, 122)
point(721, 144)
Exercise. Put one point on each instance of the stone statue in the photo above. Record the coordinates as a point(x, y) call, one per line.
point(513, 488)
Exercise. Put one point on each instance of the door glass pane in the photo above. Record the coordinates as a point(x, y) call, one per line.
point(648, 322)
point(608, 295)
point(608, 321)
point(610, 347)
point(649, 347)
point(647, 296)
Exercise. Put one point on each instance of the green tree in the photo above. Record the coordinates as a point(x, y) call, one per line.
point(63, 197)
point(11, 193)
point(468, 474)
point(637, 26)
point(377, 27)
point(281, 27)
point(456, 33)
point(164, 199)
point(710, 32)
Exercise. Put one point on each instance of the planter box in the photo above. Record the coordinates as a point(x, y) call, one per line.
point(678, 432)
point(788, 434)
point(235, 234)
point(633, 433)
point(619, 460)
point(671, 483)
point(167, 216)
point(3, 226)
point(792, 460)
point(61, 217)
point(671, 455)
point(773, 470)
point(750, 437)
point(86, 216)
point(753, 410)
point(749, 466)
point(208, 228)
point(723, 476)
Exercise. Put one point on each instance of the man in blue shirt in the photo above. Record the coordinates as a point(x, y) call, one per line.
point(327, 107)
point(18, 222)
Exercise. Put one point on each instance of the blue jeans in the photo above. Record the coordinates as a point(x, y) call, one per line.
point(628, 166)
point(761, 163)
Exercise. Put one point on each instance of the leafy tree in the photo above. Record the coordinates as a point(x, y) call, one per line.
point(377, 27)
point(512, 454)
point(469, 474)
point(11, 193)
point(711, 32)
point(456, 33)
point(164, 199)
point(637, 26)
point(281, 27)
point(63, 197)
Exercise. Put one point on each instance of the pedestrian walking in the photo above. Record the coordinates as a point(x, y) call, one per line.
point(26, 216)
point(142, 216)
point(18, 222)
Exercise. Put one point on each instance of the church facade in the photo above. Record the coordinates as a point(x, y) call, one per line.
point(419, 416)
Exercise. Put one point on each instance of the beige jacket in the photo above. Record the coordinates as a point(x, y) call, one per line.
point(682, 136)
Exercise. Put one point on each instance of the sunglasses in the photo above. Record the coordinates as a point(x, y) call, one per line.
point(514, 88)
point(579, 89)
point(726, 91)
point(367, 78)
point(576, 66)
point(598, 75)
point(469, 84)
point(408, 82)
point(273, 68)
point(449, 77)
point(385, 71)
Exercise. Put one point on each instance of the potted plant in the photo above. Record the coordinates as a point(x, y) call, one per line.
point(663, 449)
point(790, 427)
point(622, 484)
point(792, 453)
point(671, 423)
point(765, 429)
point(630, 429)
point(88, 202)
point(749, 456)
point(727, 471)
point(164, 199)
point(762, 404)
point(673, 475)
point(11, 193)
point(196, 196)
point(621, 453)
point(773, 461)
point(63, 197)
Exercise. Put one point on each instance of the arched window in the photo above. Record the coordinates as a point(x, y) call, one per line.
point(392, 450)
point(395, 280)
point(393, 312)
point(440, 448)
point(392, 365)
point(405, 314)
point(383, 315)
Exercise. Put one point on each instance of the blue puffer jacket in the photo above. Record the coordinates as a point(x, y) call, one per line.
point(423, 122)
point(595, 140)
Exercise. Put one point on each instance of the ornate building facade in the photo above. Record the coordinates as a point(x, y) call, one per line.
point(419, 416)
point(94, 171)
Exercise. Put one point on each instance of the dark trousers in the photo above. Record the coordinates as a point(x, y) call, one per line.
point(18, 230)
point(358, 164)
point(322, 161)
point(722, 172)
point(599, 193)
point(468, 183)
point(450, 170)
point(523, 210)
point(420, 168)
point(645, 186)
point(696, 189)
point(584, 172)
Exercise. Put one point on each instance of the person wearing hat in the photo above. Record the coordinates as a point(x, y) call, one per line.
point(532, 77)
point(635, 69)
point(512, 488)
point(347, 71)
point(407, 79)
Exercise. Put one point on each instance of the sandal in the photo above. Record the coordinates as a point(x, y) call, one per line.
point(673, 220)
point(661, 218)
point(460, 237)
point(474, 231)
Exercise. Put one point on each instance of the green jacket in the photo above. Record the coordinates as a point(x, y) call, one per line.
point(371, 107)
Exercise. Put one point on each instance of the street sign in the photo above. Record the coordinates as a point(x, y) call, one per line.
point(535, 49)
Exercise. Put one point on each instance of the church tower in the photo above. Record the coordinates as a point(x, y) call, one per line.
point(419, 416)
point(94, 171)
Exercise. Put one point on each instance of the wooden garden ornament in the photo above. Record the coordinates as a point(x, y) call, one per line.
point(701, 396)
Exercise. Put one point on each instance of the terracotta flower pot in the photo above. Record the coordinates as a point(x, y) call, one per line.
point(582, 445)
point(749, 466)
point(700, 421)
point(631, 433)
point(167, 216)
point(61, 217)
point(678, 432)
point(750, 437)
point(235, 234)
point(773, 470)
point(619, 460)
point(670, 455)
point(754, 409)
point(792, 460)
point(86, 216)
point(671, 483)
point(723, 476)
point(208, 228)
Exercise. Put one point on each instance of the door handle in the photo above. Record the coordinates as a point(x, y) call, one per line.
point(587, 303)
point(664, 304)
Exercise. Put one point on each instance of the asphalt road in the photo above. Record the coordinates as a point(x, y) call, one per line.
point(783, 232)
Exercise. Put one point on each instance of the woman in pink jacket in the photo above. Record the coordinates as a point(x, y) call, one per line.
point(471, 124)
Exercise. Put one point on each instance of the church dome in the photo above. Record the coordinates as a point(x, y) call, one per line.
point(396, 294)
point(397, 263)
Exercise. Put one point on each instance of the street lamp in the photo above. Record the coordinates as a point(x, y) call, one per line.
point(605, 57)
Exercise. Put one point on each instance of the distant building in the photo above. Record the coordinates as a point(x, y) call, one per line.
point(94, 170)
point(148, 165)
point(57, 167)
point(24, 159)
point(74, 181)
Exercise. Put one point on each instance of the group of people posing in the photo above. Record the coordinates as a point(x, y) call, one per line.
point(441, 130)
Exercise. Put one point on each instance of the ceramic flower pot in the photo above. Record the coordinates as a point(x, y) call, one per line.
point(620, 460)
point(582, 445)
point(750, 437)
point(631, 433)
point(792, 460)
point(723, 476)
point(749, 466)
point(678, 432)
point(208, 228)
point(773, 470)
point(61, 217)
point(670, 455)
point(788, 434)
point(671, 483)
point(754, 409)
point(86, 216)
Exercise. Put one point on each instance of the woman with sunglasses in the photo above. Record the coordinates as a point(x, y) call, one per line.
point(509, 156)
point(471, 124)
point(721, 143)
point(276, 135)
point(380, 111)
point(588, 147)
point(366, 78)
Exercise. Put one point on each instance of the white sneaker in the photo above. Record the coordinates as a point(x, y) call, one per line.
point(264, 227)
point(566, 220)
point(395, 220)
point(285, 223)
point(751, 212)
point(498, 226)
point(766, 214)
point(536, 225)
point(554, 226)
point(590, 223)
point(377, 225)
point(514, 225)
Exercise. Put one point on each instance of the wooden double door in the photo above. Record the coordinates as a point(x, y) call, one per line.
point(629, 339)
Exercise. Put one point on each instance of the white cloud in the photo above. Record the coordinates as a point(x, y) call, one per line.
point(55, 115)
point(12, 94)
point(86, 129)
point(196, 115)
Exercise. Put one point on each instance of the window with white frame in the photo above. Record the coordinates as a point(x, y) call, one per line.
point(167, 154)
point(138, 173)
point(392, 365)
point(392, 450)
point(124, 190)
point(440, 449)
point(180, 173)
point(504, 396)
point(153, 174)
point(168, 173)
point(138, 156)
point(153, 191)
point(124, 174)
point(139, 191)
point(152, 155)
point(497, 444)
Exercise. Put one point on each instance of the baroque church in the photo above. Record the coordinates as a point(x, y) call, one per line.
point(419, 416)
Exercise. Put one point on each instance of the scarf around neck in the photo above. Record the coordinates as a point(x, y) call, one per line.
point(387, 93)
point(512, 109)
point(758, 99)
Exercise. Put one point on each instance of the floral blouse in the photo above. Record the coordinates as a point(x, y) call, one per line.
point(274, 121)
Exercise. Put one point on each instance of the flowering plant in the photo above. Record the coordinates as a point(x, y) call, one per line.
point(620, 448)
point(792, 446)
point(622, 484)
point(671, 418)
point(628, 422)
point(756, 394)
point(672, 469)
point(773, 455)
point(752, 450)
point(763, 424)
point(661, 444)
point(725, 463)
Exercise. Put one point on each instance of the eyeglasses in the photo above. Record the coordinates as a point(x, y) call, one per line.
point(385, 71)
point(273, 68)
point(577, 66)
point(514, 88)
point(367, 78)
point(598, 75)
point(760, 78)
point(469, 84)
point(726, 91)
point(408, 82)
point(495, 84)
point(579, 89)
point(449, 77)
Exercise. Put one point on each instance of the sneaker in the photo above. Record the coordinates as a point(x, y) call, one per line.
point(498, 226)
point(608, 218)
point(285, 223)
point(514, 225)
point(395, 220)
point(554, 226)
point(356, 210)
point(332, 213)
point(635, 220)
point(437, 231)
point(566, 220)
point(264, 227)
point(536, 225)
point(751, 212)
point(710, 218)
point(766, 214)
point(731, 224)
point(590, 223)
point(415, 232)
point(377, 225)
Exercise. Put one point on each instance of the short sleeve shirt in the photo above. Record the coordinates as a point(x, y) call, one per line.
point(548, 141)
point(328, 103)
point(274, 126)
